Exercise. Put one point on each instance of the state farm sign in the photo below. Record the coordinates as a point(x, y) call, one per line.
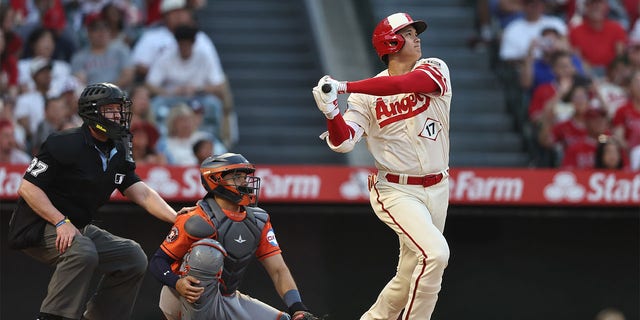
point(469, 186)
point(286, 185)
point(341, 184)
point(544, 187)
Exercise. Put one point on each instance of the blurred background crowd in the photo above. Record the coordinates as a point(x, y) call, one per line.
point(571, 76)
point(153, 49)
point(570, 71)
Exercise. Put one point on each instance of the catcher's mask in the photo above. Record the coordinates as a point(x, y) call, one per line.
point(230, 176)
point(385, 39)
point(93, 97)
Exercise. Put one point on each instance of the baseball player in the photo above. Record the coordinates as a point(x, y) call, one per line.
point(203, 259)
point(403, 113)
point(73, 175)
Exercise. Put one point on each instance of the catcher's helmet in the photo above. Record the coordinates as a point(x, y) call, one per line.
point(214, 168)
point(385, 40)
point(96, 95)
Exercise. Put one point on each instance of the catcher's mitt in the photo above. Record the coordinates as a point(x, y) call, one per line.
point(305, 316)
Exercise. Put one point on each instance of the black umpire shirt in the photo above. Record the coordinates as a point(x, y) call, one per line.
point(76, 176)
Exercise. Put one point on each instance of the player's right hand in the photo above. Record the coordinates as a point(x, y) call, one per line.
point(64, 236)
point(188, 288)
point(186, 210)
point(326, 102)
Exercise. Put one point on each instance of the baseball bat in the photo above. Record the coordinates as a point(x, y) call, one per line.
point(326, 88)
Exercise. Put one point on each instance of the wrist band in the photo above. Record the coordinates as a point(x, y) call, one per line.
point(342, 87)
point(298, 306)
point(292, 296)
point(63, 221)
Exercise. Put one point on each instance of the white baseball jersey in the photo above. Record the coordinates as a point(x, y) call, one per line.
point(407, 133)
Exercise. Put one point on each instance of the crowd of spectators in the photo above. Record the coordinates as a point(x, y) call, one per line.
point(570, 68)
point(153, 49)
point(571, 77)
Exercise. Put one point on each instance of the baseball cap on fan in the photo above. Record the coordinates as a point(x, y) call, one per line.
point(38, 64)
point(67, 85)
point(170, 5)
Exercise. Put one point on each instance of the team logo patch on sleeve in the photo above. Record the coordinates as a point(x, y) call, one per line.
point(173, 234)
point(271, 237)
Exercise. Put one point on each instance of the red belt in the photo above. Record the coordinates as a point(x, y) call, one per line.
point(425, 181)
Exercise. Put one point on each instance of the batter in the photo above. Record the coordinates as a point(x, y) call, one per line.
point(403, 113)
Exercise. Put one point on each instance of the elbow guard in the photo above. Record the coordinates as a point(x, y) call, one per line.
point(348, 144)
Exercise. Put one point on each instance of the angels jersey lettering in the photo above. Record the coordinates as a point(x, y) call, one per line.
point(407, 133)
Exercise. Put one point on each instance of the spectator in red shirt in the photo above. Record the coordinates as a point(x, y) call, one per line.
point(13, 41)
point(50, 14)
point(545, 108)
point(598, 39)
point(581, 154)
point(557, 138)
point(612, 88)
point(626, 121)
point(8, 70)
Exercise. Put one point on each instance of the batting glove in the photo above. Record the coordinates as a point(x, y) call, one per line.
point(339, 86)
point(327, 101)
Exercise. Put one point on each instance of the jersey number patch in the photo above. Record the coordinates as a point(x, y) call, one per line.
point(37, 167)
point(431, 129)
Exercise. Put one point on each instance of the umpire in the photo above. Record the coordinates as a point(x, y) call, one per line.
point(74, 174)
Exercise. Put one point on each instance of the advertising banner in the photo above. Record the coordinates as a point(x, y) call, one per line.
point(343, 184)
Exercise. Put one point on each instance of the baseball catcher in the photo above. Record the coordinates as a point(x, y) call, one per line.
point(203, 259)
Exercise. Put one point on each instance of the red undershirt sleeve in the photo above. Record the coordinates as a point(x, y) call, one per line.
point(414, 81)
point(418, 80)
point(339, 130)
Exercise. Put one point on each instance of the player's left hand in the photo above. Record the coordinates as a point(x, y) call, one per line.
point(188, 287)
point(339, 87)
point(304, 315)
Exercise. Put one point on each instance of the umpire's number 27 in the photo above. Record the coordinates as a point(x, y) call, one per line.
point(37, 167)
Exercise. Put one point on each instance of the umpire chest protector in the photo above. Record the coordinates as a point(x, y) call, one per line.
point(239, 238)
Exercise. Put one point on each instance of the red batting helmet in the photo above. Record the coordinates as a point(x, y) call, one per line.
point(385, 40)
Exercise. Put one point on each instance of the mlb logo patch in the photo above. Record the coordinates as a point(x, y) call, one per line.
point(119, 178)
